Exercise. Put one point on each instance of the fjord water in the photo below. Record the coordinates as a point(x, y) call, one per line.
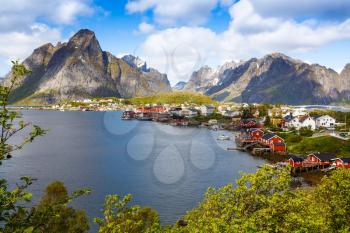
point(164, 167)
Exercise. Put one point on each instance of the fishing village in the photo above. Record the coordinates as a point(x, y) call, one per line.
point(309, 140)
point(260, 136)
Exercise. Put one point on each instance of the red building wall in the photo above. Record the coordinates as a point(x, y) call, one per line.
point(339, 163)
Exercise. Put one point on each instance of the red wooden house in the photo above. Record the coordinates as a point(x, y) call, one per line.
point(249, 123)
point(342, 162)
point(273, 141)
point(278, 146)
point(296, 161)
point(321, 158)
point(154, 109)
point(256, 134)
point(250, 135)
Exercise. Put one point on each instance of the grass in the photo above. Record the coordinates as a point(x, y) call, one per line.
point(320, 144)
point(172, 98)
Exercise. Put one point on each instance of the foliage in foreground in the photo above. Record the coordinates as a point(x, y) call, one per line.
point(260, 202)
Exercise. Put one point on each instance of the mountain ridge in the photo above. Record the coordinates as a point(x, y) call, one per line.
point(274, 78)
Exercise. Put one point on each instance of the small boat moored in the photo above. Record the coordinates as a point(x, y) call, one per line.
point(223, 137)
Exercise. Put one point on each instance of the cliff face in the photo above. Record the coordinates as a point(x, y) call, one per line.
point(277, 78)
point(80, 69)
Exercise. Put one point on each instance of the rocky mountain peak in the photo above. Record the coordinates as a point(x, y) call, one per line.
point(84, 39)
point(136, 62)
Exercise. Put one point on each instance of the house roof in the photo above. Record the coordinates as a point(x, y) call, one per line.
point(253, 129)
point(345, 160)
point(288, 118)
point(296, 158)
point(267, 136)
point(324, 116)
point(303, 118)
point(324, 156)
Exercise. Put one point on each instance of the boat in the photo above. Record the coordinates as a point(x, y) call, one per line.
point(223, 137)
point(128, 115)
point(144, 117)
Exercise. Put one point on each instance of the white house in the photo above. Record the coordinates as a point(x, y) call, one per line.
point(325, 122)
point(300, 122)
point(230, 113)
point(188, 112)
point(207, 110)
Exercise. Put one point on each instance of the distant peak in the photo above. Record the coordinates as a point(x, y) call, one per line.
point(136, 62)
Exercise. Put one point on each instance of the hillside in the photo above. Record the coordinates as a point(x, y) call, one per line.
point(178, 97)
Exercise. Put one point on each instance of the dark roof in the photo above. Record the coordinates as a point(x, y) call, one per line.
point(253, 129)
point(303, 118)
point(268, 136)
point(325, 156)
point(288, 118)
point(296, 158)
point(345, 160)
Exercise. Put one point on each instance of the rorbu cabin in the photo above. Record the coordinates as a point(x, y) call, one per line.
point(270, 138)
point(278, 146)
point(251, 135)
point(256, 134)
point(247, 123)
point(321, 158)
point(296, 161)
point(154, 109)
point(342, 162)
point(273, 141)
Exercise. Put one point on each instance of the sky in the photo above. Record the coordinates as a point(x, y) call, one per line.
point(179, 36)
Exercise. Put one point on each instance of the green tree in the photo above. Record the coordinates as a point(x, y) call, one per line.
point(120, 218)
point(53, 215)
point(333, 195)
point(261, 202)
point(267, 122)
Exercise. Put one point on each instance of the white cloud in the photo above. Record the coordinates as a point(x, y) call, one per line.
point(68, 11)
point(18, 45)
point(179, 51)
point(145, 28)
point(22, 30)
point(56, 11)
point(169, 12)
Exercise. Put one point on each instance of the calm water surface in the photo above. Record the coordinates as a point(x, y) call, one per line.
point(165, 167)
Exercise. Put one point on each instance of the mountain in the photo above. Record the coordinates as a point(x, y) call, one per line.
point(179, 86)
point(81, 69)
point(206, 77)
point(275, 78)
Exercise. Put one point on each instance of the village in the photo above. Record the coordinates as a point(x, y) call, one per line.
point(255, 133)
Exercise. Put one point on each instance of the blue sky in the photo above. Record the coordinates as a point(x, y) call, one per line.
point(179, 36)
